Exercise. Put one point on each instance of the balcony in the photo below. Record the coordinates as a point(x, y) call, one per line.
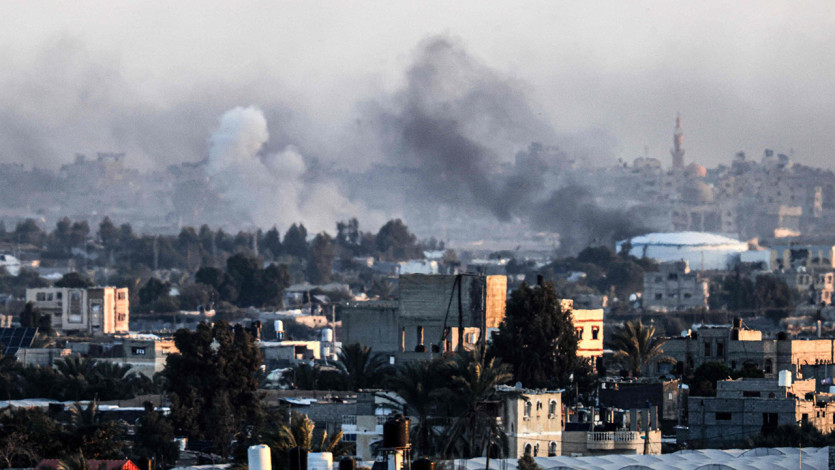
point(612, 440)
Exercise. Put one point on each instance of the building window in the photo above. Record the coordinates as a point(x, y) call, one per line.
point(720, 349)
point(687, 295)
point(659, 296)
point(579, 332)
point(749, 393)
point(528, 407)
point(536, 450)
point(138, 351)
point(419, 335)
point(769, 420)
point(707, 349)
point(552, 409)
point(120, 296)
point(552, 449)
point(672, 277)
point(595, 332)
point(805, 418)
point(58, 295)
point(723, 416)
point(40, 296)
point(49, 297)
point(768, 366)
point(528, 449)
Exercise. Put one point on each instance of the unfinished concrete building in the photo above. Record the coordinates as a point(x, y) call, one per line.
point(674, 288)
point(739, 347)
point(434, 314)
point(743, 408)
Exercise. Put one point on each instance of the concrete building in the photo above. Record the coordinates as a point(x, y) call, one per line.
point(674, 288)
point(797, 254)
point(589, 327)
point(813, 287)
point(633, 431)
point(434, 314)
point(532, 421)
point(743, 408)
point(145, 354)
point(666, 395)
point(278, 354)
point(94, 310)
point(739, 347)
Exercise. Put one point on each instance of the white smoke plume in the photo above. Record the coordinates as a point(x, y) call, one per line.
point(271, 189)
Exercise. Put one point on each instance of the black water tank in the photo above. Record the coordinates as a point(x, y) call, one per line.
point(396, 432)
point(422, 464)
point(347, 463)
point(298, 458)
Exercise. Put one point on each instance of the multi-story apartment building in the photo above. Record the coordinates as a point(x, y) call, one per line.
point(94, 310)
point(743, 408)
point(674, 287)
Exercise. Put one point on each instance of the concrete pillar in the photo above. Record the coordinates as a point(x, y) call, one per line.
point(644, 419)
point(633, 420)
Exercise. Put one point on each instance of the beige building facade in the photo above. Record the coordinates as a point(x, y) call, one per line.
point(94, 310)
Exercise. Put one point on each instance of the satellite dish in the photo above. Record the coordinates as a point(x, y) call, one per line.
point(518, 386)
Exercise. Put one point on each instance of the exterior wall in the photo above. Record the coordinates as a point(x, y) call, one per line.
point(534, 420)
point(40, 356)
point(634, 395)
point(743, 408)
point(674, 287)
point(589, 327)
point(371, 324)
point(580, 443)
point(96, 310)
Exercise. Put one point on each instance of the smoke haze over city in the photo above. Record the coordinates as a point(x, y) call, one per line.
point(291, 109)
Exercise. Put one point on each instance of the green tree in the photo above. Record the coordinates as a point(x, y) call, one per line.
point(29, 232)
point(151, 293)
point(420, 385)
point(537, 338)
point(94, 437)
point(74, 280)
point(526, 462)
point(295, 241)
point(320, 262)
point(281, 437)
point(214, 363)
point(395, 242)
point(108, 234)
point(636, 346)
point(363, 367)
point(472, 388)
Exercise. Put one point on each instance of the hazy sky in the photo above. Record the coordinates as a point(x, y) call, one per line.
point(152, 78)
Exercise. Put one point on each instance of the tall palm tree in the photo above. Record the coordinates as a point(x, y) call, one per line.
point(636, 346)
point(282, 437)
point(363, 367)
point(418, 384)
point(473, 390)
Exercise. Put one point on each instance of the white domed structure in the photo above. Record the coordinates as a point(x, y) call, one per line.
point(703, 251)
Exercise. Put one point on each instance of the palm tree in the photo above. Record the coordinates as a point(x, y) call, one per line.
point(473, 389)
point(282, 437)
point(636, 346)
point(418, 384)
point(363, 367)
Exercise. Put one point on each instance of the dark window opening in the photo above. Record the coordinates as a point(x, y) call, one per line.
point(723, 416)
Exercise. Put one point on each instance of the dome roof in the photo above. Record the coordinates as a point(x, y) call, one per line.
point(694, 170)
point(696, 192)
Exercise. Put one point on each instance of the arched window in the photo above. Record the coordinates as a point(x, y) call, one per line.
point(536, 450)
point(552, 449)
point(528, 407)
point(528, 449)
point(552, 408)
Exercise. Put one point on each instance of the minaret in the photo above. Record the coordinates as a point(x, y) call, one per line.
point(677, 151)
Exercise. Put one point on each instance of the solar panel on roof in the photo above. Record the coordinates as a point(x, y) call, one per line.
point(13, 339)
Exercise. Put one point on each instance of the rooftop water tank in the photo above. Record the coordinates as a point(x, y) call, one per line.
point(327, 335)
point(320, 461)
point(259, 457)
point(396, 433)
point(784, 378)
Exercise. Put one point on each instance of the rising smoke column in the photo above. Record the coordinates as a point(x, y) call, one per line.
point(460, 122)
point(271, 188)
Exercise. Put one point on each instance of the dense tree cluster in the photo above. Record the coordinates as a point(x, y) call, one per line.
point(28, 435)
point(537, 338)
point(213, 386)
